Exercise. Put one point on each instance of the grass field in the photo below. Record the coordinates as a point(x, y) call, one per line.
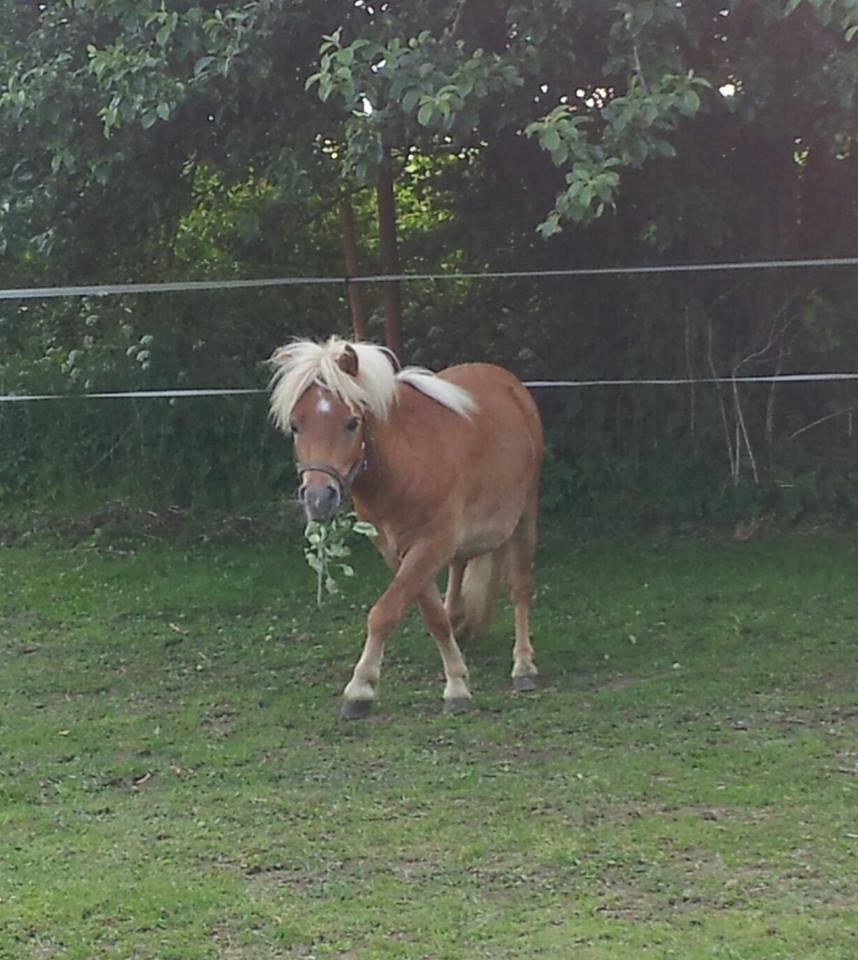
point(175, 783)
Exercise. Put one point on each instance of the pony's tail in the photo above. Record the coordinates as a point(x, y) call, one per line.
point(480, 587)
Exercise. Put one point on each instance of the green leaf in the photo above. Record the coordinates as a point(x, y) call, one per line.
point(111, 115)
point(550, 139)
point(550, 226)
point(365, 528)
point(690, 103)
point(424, 114)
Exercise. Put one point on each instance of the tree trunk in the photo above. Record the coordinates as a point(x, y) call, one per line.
point(347, 221)
point(390, 293)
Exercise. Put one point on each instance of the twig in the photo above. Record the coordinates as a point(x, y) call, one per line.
point(775, 335)
point(106, 456)
point(721, 403)
point(738, 449)
point(639, 70)
point(692, 385)
point(816, 423)
point(740, 423)
point(770, 402)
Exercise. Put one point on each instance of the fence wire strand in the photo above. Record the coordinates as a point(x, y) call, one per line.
point(190, 286)
point(531, 384)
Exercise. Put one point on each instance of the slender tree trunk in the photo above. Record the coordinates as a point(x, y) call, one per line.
point(347, 221)
point(390, 293)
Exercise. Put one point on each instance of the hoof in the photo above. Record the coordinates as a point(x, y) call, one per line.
point(355, 709)
point(457, 705)
point(524, 684)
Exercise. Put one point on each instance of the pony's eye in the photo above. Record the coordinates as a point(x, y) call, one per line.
point(293, 427)
point(352, 424)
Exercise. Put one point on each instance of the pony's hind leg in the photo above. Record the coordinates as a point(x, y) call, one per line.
point(457, 696)
point(454, 602)
point(522, 547)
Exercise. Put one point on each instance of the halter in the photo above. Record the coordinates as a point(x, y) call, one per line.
point(343, 481)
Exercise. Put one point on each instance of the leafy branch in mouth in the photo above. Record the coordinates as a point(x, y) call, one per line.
point(327, 551)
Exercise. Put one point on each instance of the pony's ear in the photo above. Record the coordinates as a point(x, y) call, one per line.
point(394, 360)
point(348, 360)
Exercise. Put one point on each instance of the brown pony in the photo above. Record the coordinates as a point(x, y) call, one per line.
point(445, 466)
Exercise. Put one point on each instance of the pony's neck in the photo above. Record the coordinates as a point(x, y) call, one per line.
point(373, 489)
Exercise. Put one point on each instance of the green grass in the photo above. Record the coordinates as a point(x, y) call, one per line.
point(174, 782)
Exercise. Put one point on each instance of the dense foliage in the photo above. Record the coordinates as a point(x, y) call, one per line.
point(150, 141)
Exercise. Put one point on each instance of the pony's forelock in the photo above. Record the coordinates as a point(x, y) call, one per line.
point(303, 363)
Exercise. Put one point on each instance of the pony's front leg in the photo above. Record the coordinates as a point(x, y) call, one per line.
point(457, 696)
point(413, 575)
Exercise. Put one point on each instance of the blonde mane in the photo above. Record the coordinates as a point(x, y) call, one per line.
point(304, 363)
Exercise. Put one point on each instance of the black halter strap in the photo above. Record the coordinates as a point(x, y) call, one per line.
point(343, 481)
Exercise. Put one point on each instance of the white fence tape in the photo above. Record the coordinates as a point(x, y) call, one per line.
point(187, 286)
point(533, 384)
point(125, 395)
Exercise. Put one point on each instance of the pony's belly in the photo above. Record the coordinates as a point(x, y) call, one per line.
point(476, 542)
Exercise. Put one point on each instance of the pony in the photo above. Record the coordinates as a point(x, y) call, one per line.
point(445, 466)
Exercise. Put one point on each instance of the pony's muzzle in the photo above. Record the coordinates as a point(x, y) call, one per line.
point(320, 502)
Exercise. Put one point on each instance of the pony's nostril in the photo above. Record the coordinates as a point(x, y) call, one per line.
point(302, 493)
point(321, 502)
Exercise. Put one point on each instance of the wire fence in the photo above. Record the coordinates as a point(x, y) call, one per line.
point(532, 384)
point(189, 286)
point(105, 290)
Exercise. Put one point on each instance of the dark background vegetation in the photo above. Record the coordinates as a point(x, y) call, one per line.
point(145, 142)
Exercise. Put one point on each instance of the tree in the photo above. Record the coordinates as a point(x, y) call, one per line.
point(196, 140)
